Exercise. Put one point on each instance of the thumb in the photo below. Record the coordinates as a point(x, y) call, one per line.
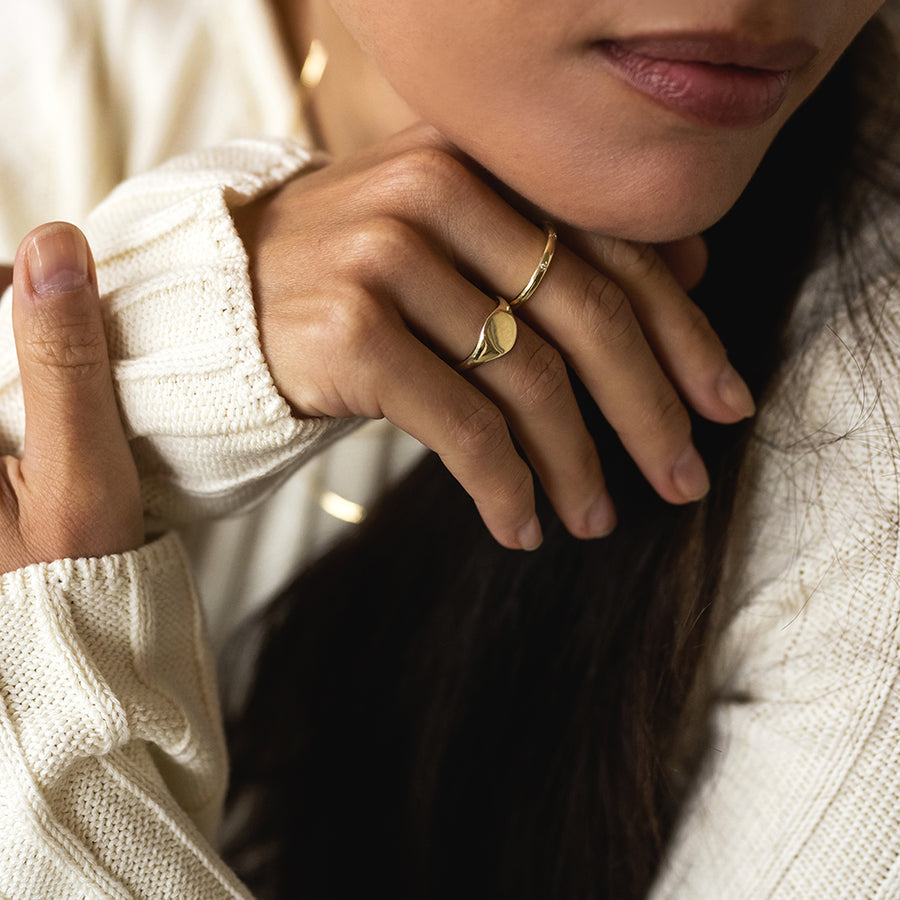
point(70, 409)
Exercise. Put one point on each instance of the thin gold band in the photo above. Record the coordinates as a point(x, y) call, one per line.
point(541, 270)
point(498, 334)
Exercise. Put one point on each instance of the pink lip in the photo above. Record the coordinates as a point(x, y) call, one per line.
point(716, 80)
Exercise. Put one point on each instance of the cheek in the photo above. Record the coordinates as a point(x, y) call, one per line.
point(452, 60)
point(418, 45)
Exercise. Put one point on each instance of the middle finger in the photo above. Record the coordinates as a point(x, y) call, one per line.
point(530, 385)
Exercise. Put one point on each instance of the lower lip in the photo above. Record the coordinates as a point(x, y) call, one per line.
point(718, 95)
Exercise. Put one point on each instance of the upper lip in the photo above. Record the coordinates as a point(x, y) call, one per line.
point(722, 49)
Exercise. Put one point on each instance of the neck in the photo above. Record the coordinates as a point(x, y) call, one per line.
point(352, 106)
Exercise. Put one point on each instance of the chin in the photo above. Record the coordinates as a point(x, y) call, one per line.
point(659, 201)
point(649, 220)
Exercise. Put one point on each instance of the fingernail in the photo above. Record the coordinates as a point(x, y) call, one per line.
point(57, 260)
point(689, 474)
point(734, 393)
point(602, 517)
point(531, 537)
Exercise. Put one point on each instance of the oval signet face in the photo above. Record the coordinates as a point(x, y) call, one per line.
point(499, 334)
point(497, 337)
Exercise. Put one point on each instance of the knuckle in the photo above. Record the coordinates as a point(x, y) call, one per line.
point(76, 350)
point(516, 488)
point(695, 329)
point(665, 416)
point(421, 173)
point(353, 326)
point(607, 317)
point(639, 259)
point(543, 381)
point(481, 433)
point(426, 164)
point(383, 244)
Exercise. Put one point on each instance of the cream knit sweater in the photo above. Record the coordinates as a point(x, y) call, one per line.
point(112, 767)
point(99, 91)
point(799, 795)
point(112, 761)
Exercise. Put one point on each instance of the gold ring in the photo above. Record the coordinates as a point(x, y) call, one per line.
point(497, 337)
point(541, 270)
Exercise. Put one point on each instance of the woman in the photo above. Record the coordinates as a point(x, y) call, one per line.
point(689, 135)
point(131, 85)
point(473, 723)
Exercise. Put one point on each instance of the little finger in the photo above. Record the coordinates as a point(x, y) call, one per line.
point(679, 333)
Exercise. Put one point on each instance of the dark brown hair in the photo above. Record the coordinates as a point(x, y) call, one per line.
point(433, 716)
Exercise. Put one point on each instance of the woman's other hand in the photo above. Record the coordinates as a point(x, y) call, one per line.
point(372, 278)
point(75, 490)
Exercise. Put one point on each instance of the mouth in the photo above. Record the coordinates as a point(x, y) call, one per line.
point(715, 80)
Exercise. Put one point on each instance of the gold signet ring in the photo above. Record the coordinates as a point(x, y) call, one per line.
point(497, 338)
point(540, 271)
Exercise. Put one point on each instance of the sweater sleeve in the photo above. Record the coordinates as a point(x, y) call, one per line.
point(798, 794)
point(208, 428)
point(112, 761)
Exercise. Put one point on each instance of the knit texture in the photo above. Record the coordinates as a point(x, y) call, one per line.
point(112, 759)
point(103, 91)
point(800, 789)
point(208, 428)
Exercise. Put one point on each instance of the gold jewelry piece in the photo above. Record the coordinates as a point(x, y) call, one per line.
point(497, 338)
point(314, 65)
point(311, 73)
point(541, 270)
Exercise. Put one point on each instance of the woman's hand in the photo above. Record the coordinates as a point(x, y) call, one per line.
point(373, 277)
point(75, 491)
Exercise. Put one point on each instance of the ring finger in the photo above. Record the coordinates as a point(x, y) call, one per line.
point(585, 314)
point(529, 384)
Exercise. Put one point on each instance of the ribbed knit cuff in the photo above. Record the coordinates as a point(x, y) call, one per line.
point(209, 430)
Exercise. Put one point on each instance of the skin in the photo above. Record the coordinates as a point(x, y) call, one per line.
point(412, 239)
point(74, 492)
point(505, 86)
point(529, 101)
